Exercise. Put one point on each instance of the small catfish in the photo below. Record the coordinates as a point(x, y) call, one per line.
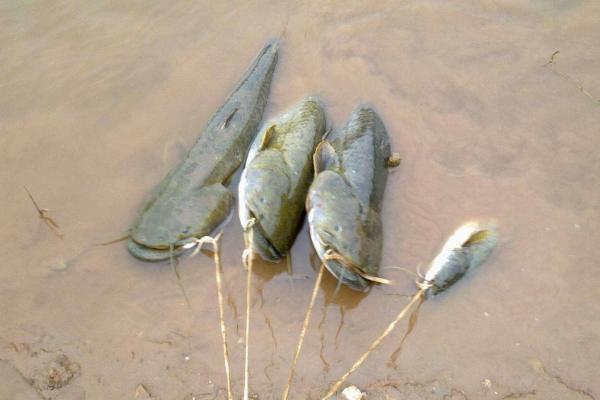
point(344, 201)
point(278, 172)
point(193, 200)
point(464, 250)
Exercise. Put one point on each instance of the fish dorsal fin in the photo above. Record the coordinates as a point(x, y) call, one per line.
point(325, 157)
point(476, 237)
point(266, 139)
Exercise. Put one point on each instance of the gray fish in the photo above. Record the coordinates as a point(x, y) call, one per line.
point(464, 250)
point(193, 200)
point(277, 175)
point(345, 199)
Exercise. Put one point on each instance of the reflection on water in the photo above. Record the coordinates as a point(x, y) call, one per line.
point(100, 100)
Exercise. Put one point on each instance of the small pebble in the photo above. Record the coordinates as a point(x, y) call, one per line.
point(352, 393)
point(486, 383)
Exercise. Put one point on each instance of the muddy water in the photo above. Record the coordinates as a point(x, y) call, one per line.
point(98, 101)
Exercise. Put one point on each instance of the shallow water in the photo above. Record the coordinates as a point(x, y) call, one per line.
point(99, 101)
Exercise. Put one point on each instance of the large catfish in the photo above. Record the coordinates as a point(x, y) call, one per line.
point(277, 175)
point(193, 200)
point(345, 199)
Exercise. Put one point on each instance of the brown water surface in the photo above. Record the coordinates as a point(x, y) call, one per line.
point(99, 100)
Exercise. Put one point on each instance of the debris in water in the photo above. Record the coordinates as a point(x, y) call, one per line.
point(486, 384)
point(141, 393)
point(552, 65)
point(43, 213)
point(393, 160)
point(56, 373)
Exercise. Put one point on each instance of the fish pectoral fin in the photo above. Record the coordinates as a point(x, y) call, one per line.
point(324, 157)
point(266, 139)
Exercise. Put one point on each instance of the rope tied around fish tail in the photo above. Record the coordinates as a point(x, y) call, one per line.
point(43, 214)
point(303, 331)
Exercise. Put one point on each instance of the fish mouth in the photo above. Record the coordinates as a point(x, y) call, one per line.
point(261, 243)
point(348, 266)
point(151, 254)
point(336, 265)
point(346, 276)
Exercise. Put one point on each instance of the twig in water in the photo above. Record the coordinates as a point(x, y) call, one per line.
point(43, 213)
point(303, 331)
point(418, 297)
point(552, 65)
point(218, 272)
point(551, 59)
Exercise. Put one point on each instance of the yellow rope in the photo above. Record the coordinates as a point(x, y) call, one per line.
point(248, 260)
point(303, 331)
point(419, 296)
point(218, 272)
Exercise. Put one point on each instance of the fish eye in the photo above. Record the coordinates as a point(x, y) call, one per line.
point(337, 228)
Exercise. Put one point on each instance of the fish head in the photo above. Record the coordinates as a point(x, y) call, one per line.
point(264, 187)
point(344, 237)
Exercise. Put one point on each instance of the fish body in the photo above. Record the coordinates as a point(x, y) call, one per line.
point(193, 200)
point(466, 249)
point(345, 199)
point(275, 180)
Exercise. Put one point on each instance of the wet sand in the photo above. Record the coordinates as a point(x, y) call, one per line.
point(99, 101)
